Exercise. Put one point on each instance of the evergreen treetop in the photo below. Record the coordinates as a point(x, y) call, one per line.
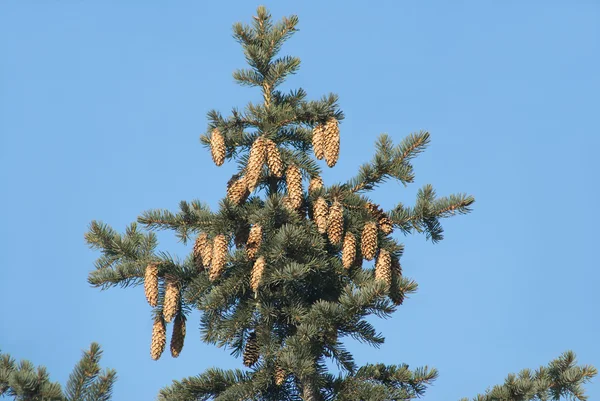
point(277, 271)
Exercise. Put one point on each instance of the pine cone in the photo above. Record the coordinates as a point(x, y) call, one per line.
point(396, 294)
point(335, 224)
point(383, 270)
point(257, 273)
point(321, 214)
point(256, 161)
point(237, 190)
point(151, 284)
point(348, 250)
point(254, 241)
point(219, 257)
point(171, 303)
point(386, 225)
point(315, 184)
point(199, 245)
point(280, 375)
point(294, 186)
point(159, 338)
point(178, 335)
point(368, 241)
point(273, 158)
point(318, 141)
point(217, 147)
point(205, 249)
point(332, 142)
point(251, 352)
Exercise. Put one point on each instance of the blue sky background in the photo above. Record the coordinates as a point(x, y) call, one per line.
point(102, 104)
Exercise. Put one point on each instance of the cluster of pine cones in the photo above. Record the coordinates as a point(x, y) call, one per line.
point(170, 310)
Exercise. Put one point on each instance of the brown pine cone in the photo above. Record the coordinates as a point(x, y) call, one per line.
point(280, 375)
point(335, 224)
point(178, 335)
point(256, 161)
point(294, 187)
point(321, 214)
point(151, 284)
point(237, 190)
point(251, 352)
point(332, 142)
point(254, 241)
point(273, 158)
point(368, 241)
point(159, 338)
point(318, 141)
point(348, 250)
point(315, 184)
point(257, 273)
point(172, 294)
point(219, 257)
point(217, 147)
point(383, 269)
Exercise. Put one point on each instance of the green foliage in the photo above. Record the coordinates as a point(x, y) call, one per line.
point(24, 382)
point(307, 302)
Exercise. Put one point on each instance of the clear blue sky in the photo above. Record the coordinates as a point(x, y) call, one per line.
point(102, 104)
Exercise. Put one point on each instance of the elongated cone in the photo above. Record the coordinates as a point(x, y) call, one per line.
point(217, 147)
point(254, 241)
point(273, 158)
point(159, 338)
point(280, 375)
point(256, 161)
point(219, 257)
point(383, 270)
point(199, 245)
point(257, 273)
point(238, 191)
point(294, 186)
point(151, 284)
point(332, 142)
point(315, 184)
point(251, 352)
point(205, 250)
point(318, 141)
point(348, 250)
point(335, 225)
point(386, 225)
point(368, 245)
point(321, 214)
point(171, 303)
point(178, 335)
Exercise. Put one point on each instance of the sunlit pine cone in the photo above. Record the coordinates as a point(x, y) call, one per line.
point(151, 284)
point(273, 158)
point(294, 186)
point(257, 273)
point(348, 250)
point(321, 214)
point(217, 147)
point(383, 269)
point(318, 141)
point(315, 184)
point(172, 294)
point(178, 335)
point(219, 257)
point(159, 338)
point(368, 241)
point(237, 190)
point(254, 241)
point(335, 223)
point(256, 161)
point(332, 142)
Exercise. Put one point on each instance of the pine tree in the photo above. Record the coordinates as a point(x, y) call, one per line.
point(24, 382)
point(292, 315)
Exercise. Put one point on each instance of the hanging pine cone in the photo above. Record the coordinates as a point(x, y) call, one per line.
point(178, 335)
point(256, 161)
point(251, 352)
point(280, 375)
point(199, 248)
point(348, 250)
point(217, 147)
point(396, 294)
point(159, 338)
point(257, 273)
point(254, 241)
point(386, 225)
point(332, 142)
point(335, 224)
point(315, 184)
point(205, 249)
point(383, 270)
point(273, 158)
point(321, 214)
point(368, 241)
point(318, 141)
point(171, 303)
point(237, 190)
point(219, 257)
point(151, 284)
point(294, 186)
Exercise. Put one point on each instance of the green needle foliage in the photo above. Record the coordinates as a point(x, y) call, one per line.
point(24, 382)
point(286, 297)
